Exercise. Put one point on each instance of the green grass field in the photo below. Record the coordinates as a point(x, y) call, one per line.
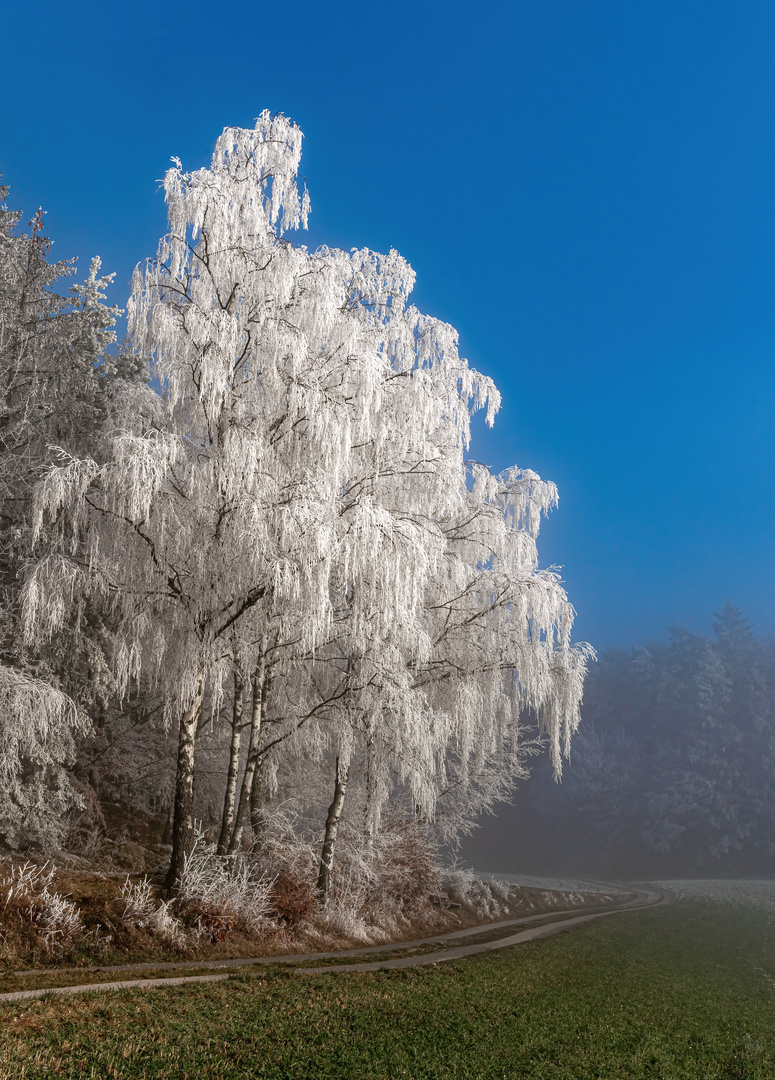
point(685, 990)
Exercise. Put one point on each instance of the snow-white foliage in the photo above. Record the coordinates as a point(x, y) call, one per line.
point(35, 719)
point(56, 919)
point(38, 724)
point(489, 899)
point(52, 362)
point(285, 845)
point(57, 382)
point(383, 886)
point(299, 496)
point(20, 883)
point(226, 885)
point(347, 916)
point(141, 909)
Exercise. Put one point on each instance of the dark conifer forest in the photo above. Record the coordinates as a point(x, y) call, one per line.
point(672, 771)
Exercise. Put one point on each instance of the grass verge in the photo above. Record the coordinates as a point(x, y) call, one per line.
point(682, 992)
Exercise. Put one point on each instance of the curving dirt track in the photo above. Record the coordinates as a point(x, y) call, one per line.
point(551, 923)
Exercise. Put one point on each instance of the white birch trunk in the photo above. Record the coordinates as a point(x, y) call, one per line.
point(332, 826)
point(256, 720)
point(230, 798)
point(183, 814)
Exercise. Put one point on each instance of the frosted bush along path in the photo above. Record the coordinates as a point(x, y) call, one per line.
point(295, 559)
point(453, 947)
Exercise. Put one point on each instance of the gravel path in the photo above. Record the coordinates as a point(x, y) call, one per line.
point(558, 921)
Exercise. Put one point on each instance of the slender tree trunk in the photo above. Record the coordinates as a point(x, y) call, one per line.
point(230, 798)
point(369, 813)
point(166, 836)
point(257, 801)
point(256, 791)
point(183, 814)
point(332, 825)
point(256, 718)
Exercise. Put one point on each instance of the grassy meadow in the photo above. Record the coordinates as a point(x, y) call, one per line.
point(685, 990)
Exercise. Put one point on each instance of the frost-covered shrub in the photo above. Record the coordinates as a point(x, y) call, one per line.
point(284, 844)
point(226, 885)
point(346, 915)
point(489, 899)
point(288, 855)
point(406, 865)
point(501, 891)
point(27, 894)
point(382, 885)
point(57, 919)
point(140, 909)
point(22, 882)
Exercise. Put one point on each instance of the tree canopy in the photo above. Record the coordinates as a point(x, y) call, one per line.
point(282, 515)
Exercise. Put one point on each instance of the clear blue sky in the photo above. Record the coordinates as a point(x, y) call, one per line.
point(586, 189)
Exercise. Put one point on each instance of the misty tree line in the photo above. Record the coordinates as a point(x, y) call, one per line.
point(249, 573)
point(674, 764)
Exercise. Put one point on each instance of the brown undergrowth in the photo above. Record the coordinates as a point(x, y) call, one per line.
point(107, 935)
point(104, 904)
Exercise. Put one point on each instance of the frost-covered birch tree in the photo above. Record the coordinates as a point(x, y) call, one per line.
point(503, 665)
point(294, 512)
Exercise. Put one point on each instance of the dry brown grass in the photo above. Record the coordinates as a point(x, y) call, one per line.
point(400, 895)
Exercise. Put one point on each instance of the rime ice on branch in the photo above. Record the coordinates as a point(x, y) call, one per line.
point(296, 504)
point(56, 380)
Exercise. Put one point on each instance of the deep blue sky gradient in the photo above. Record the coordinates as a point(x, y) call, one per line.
point(586, 189)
